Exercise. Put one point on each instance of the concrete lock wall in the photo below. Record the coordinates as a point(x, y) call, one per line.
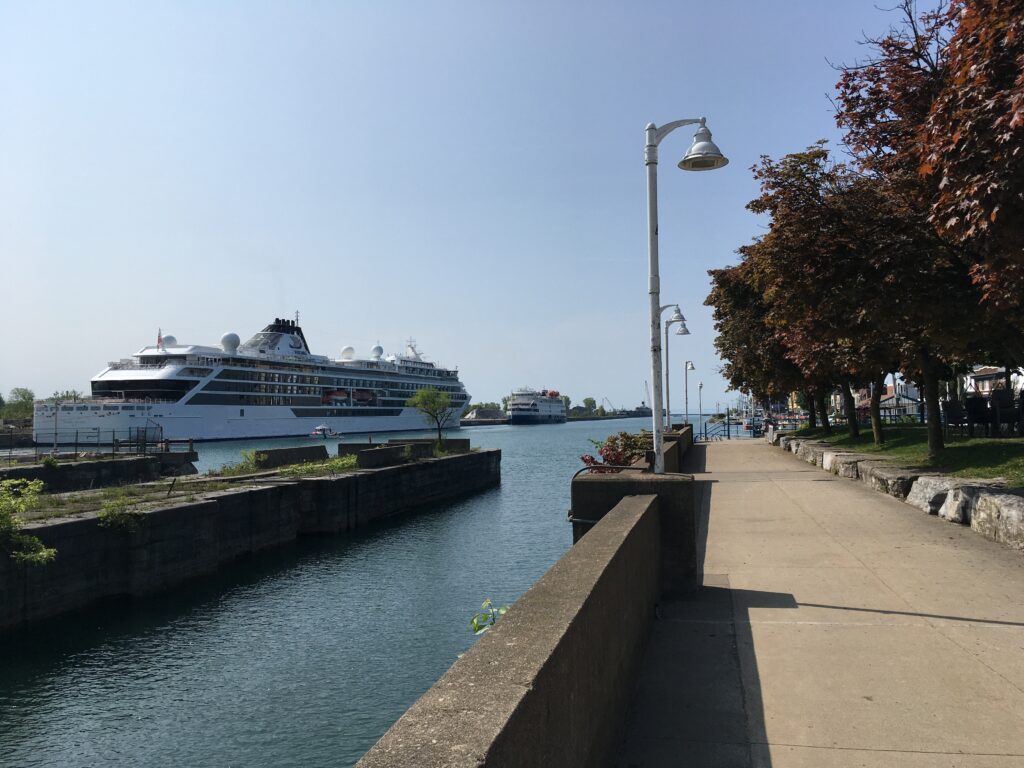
point(82, 475)
point(450, 444)
point(382, 457)
point(549, 684)
point(176, 543)
point(282, 457)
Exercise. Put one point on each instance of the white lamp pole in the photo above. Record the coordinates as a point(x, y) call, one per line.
point(686, 378)
point(677, 317)
point(700, 405)
point(703, 155)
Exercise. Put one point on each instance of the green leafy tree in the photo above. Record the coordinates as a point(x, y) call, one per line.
point(436, 407)
point(18, 497)
point(567, 402)
point(484, 406)
point(19, 403)
point(589, 404)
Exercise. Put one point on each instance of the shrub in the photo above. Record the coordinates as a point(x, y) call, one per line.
point(620, 450)
point(17, 497)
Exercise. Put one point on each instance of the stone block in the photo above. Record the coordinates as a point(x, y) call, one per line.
point(842, 463)
point(847, 465)
point(812, 452)
point(784, 441)
point(387, 456)
point(887, 478)
point(999, 515)
point(280, 457)
point(929, 492)
point(951, 498)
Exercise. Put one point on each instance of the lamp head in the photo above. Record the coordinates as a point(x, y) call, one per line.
point(683, 330)
point(703, 154)
point(677, 316)
point(689, 366)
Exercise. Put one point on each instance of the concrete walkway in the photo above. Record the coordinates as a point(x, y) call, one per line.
point(836, 627)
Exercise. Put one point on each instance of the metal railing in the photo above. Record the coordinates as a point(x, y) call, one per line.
point(110, 442)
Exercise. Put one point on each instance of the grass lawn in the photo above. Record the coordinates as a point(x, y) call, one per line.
point(963, 456)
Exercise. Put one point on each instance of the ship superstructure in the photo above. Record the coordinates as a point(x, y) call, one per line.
point(270, 386)
point(531, 406)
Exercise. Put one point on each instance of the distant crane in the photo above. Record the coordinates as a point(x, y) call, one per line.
point(611, 408)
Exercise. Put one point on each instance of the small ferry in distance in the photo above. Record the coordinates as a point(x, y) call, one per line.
point(270, 386)
point(529, 406)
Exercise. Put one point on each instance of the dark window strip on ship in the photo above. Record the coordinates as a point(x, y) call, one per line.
point(204, 398)
point(355, 411)
point(272, 377)
point(141, 389)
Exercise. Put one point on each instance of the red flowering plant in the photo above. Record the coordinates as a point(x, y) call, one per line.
point(619, 450)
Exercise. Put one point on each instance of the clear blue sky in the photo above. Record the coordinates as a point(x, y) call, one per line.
point(466, 173)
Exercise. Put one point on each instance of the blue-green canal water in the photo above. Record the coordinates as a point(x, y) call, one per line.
point(302, 656)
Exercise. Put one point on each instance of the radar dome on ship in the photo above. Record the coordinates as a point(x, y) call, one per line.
point(376, 352)
point(170, 341)
point(348, 353)
point(229, 342)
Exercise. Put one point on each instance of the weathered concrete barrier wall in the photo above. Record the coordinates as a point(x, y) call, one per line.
point(675, 444)
point(382, 457)
point(594, 495)
point(176, 543)
point(82, 475)
point(450, 444)
point(549, 684)
point(282, 457)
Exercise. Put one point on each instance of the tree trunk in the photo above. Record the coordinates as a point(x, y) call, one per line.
point(823, 409)
point(812, 419)
point(930, 382)
point(1008, 375)
point(877, 385)
point(850, 406)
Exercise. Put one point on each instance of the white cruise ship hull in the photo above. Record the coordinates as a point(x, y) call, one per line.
point(208, 422)
point(270, 386)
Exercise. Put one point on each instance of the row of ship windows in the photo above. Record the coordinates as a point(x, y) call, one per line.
point(305, 368)
point(204, 398)
point(328, 381)
point(288, 389)
point(67, 408)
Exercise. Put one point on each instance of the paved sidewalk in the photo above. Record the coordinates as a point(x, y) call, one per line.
point(836, 627)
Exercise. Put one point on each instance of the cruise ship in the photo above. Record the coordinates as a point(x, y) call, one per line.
point(529, 406)
point(270, 386)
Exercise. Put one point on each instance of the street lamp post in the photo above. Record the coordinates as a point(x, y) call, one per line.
point(677, 317)
point(703, 155)
point(700, 405)
point(686, 379)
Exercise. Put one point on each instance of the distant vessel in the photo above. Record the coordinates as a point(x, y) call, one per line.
point(528, 406)
point(270, 386)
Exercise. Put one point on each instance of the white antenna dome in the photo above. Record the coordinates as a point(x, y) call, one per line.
point(169, 341)
point(229, 343)
point(348, 353)
point(376, 352)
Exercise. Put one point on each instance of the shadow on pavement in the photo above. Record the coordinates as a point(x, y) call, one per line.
point(698, 696)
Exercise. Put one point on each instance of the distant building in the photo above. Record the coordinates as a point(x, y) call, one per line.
point(984, 378)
